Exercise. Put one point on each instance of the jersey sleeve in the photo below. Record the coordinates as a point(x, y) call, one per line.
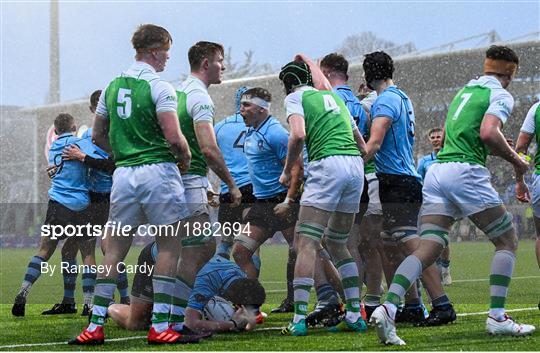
point(101, 108)
point(293, 104)
point(200, 107)
point(200, 295)
point(386, 105)
point(164, 97)
point(421, 167)
point(278, 140)
point(501, 104)
point(529, 124)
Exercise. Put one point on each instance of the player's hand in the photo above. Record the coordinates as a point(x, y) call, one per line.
point(51, 171)
point(73, 153)
point(184, 164)
point(213, 198)
point(285, 179)
point(244, 318)
point(522, 192)
point(282, 210)
point(236, 196)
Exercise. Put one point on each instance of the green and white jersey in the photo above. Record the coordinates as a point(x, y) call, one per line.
point(194, 106)
point(479, 97)
point(131, 102)
point(531, 126)
point(367, 102)
point(329, 125)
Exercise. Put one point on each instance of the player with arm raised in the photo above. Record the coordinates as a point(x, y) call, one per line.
point(331, 192)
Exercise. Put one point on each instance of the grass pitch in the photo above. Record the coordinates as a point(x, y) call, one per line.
point(469, 293)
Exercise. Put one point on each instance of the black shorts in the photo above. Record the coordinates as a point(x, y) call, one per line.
point(401, 198)
point(261, 214)
point(98, 211)
point(60, 215)
point(142, 287)
point(364, 202)
point(233, 215)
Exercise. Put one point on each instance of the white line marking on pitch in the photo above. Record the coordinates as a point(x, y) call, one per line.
point(453, 281)
point(259, 329)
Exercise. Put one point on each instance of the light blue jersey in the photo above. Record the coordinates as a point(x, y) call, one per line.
point(425, 162)
point(213, 279)
point(230, 135)
point(396, 153)
point(355, 108)
point(69, 185)
point(98, 180)
point(265, 148)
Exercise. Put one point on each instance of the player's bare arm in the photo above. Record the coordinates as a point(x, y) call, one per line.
point(171, 131)
point(241, 320)
point(209, 148)
point(379, 127)
point(100, 133)
point(491, 135)
point(296, 143)
point(522, 146)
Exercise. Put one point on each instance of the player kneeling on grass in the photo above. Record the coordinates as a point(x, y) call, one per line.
point(219, 277)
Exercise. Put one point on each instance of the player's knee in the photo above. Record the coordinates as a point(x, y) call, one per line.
point(241, 254)
point(501, 231)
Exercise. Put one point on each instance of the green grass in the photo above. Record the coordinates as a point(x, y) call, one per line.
point(470, 262)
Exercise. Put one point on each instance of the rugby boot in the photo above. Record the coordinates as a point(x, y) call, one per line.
point(507, 327)
point(440, 315)
point(125, 300)
point(411, 314)
point(87, 338)
point(61, 308)
point(186, 331)
point(385, 327)
point(346, 326)
point(446, 277)
point(286, 306)
point(19, 305)
point(169, 336)
point(298, 329)
point(324, 312)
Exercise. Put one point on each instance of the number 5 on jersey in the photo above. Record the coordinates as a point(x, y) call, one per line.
point(124, 98)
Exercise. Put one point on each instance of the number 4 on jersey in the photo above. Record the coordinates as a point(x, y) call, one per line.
point(330, 104)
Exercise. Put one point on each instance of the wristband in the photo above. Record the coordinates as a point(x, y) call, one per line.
point(288, 200)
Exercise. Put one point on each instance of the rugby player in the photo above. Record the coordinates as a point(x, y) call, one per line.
point(100, 169)
point(196, 114)
point(458, 185)
point(400, 190)
point(364, 238)
point(265, 148)
point(68, 203)
point(435, 137)
point(530, 130)
point(219, 277)
point(330, 198)
point(136, 120)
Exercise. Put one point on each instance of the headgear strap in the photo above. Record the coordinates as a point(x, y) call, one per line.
point(501, 67)
point(255, 100)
